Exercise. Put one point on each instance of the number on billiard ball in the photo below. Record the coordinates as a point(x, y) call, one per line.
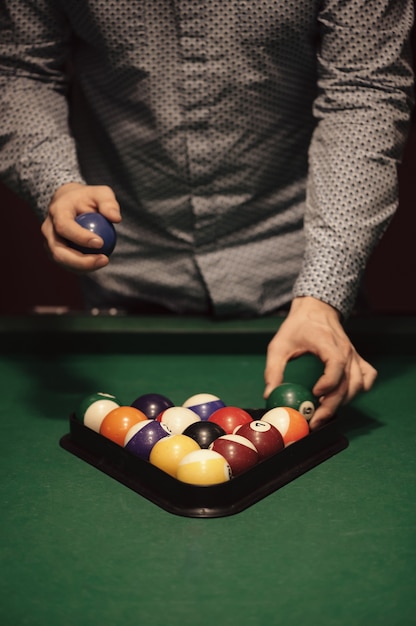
point(99, 225)
point(264, 436)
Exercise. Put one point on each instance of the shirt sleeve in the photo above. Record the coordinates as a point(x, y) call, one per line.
point(37, 152)
point(363, 105)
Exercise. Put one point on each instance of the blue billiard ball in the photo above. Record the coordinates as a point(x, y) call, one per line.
point(141, 437)
point(204, 404)
point(99, 225)
point(152, 404)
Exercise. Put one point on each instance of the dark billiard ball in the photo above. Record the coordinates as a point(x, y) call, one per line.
point(291, 424)
point(203, 468)
point(204, 404)
point(229, 417)
point(93, 409)
point(294, 395)
point(240, 453)
point(99, 225)
point(204, 432)
point(264, 436)
point(141, 437)
point(152, 404)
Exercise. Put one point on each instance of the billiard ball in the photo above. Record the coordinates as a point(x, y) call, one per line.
point(152, 404)
point(204, 467)
point(99, 225)
point(238, 451)
point(168, 452)
point(93, 409)
point(264, 436)
point(204, 404)
point(204, 432)
point(291, 424)
point(229, 417)
point(294, 395)
point(141, 437)
point(177, 418)
point(116, 423)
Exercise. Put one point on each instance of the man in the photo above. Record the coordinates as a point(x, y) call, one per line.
point(251, 149)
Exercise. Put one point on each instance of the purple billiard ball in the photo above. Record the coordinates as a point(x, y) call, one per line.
point(141, 437)
point(152, 404)
point(99, 225)
point(204, 404)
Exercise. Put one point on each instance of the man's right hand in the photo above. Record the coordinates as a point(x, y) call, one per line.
point(60, 226)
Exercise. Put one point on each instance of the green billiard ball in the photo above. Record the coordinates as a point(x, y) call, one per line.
point(93, 409)
point(295, 396)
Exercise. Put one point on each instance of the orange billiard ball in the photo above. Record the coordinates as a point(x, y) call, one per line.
point(118, 422)
point(291, 424)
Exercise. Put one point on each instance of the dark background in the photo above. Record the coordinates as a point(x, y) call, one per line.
point(30, 279)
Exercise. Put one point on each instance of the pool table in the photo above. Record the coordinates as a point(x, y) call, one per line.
point(336, 545)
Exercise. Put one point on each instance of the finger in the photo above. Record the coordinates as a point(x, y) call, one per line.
point(65, 229)
point(355, 380)
point(63, 255)
point(328, 406)
point(369, 374)
point(84, 199)
point(70, 204)
point(73, 232)
point(334, 371)
point(78, 261)
point(102, 198)
point(361, 377)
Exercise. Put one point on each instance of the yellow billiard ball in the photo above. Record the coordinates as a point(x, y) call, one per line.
point(167, 453)
point(204, 467)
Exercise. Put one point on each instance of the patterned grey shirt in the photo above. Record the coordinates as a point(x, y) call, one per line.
point(252, 145)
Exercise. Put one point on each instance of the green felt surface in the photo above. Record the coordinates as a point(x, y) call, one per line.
point(334, 547)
